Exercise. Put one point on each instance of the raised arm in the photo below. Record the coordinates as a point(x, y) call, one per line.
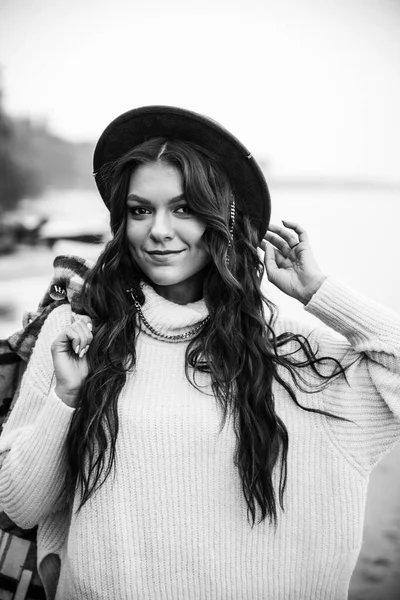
point(368, 345)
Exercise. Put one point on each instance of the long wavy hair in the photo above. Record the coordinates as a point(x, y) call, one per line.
point(237, 346)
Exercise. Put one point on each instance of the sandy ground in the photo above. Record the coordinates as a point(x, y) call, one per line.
point(377, 575)
point(23, 280)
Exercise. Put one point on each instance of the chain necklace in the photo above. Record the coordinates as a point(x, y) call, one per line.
point(179, 336)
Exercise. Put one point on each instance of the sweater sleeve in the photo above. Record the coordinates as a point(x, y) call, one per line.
point(369, 348)
point(32, 444)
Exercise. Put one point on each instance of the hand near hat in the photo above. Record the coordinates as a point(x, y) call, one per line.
point(290, 262)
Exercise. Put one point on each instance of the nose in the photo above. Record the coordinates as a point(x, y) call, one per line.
point(161, 228)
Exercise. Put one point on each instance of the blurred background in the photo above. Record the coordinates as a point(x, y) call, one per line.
point(311, 87)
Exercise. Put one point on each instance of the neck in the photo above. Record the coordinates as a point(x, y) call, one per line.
point(169, 321)
point(185, 292)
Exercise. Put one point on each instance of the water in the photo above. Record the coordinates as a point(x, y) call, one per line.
point(354, 234)
point(355, 237)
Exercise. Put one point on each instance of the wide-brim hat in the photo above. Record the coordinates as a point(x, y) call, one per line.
point(140, 124)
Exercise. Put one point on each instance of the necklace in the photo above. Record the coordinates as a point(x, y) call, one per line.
point(179, 336)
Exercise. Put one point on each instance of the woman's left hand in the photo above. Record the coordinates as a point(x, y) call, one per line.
point(290, 262)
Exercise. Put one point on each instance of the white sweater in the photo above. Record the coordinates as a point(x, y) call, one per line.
point(172, 523)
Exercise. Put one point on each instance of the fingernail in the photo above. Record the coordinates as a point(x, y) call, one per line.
point(82, 352)
point(77, 349)
point(90, 326)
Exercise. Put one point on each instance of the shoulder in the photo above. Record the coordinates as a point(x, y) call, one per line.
point(295, 324)
point(322, 340)
point(38, 374)
point(57, 320)
point(305, 327)
point(51, 324)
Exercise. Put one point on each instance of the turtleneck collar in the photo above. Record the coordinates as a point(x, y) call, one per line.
point(169, 318)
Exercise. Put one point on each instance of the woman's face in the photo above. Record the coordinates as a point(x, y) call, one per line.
point(164, 236)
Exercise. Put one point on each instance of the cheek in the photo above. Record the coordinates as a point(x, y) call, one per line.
point(201, 245)
point(135, 234)
point(195, 236)
point(201, 252)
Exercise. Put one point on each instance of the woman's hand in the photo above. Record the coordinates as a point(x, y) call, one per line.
point(290, 262)
point(69, 351)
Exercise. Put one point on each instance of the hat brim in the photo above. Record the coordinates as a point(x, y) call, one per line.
point(140, 124)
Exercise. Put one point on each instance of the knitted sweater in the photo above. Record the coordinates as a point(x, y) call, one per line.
point(171, 523)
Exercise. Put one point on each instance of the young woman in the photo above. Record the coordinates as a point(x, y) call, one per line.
point(176, 439)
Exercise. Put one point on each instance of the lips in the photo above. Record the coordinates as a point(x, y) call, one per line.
point(162, 257)
point(163, 252)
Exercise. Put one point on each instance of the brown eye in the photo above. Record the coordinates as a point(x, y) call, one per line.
point(137, 211)
point(184, 210)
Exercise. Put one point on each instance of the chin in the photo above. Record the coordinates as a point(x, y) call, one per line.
point(165, 278)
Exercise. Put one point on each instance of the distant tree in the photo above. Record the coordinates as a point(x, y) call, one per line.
point(17, 181)
point(32, 158)
point(56, 162)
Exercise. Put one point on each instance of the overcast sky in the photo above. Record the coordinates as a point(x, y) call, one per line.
point(312, 85)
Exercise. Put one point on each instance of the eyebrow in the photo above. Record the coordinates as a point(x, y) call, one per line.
point(135, 198)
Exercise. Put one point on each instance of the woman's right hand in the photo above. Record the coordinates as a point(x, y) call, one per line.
point(69, 351)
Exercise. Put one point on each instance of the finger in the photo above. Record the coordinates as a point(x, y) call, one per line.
point(269, 252)
point(269, 258)
point(288, 236)
point(84, 319)
point(84, 351)
point(80, 335)
point(69, 339)
point(278, 242)
point(86, 322)
point(273, 259)
point(301, 232)
point(264, 244)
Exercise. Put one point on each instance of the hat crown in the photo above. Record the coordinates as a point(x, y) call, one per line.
point(134, 127)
